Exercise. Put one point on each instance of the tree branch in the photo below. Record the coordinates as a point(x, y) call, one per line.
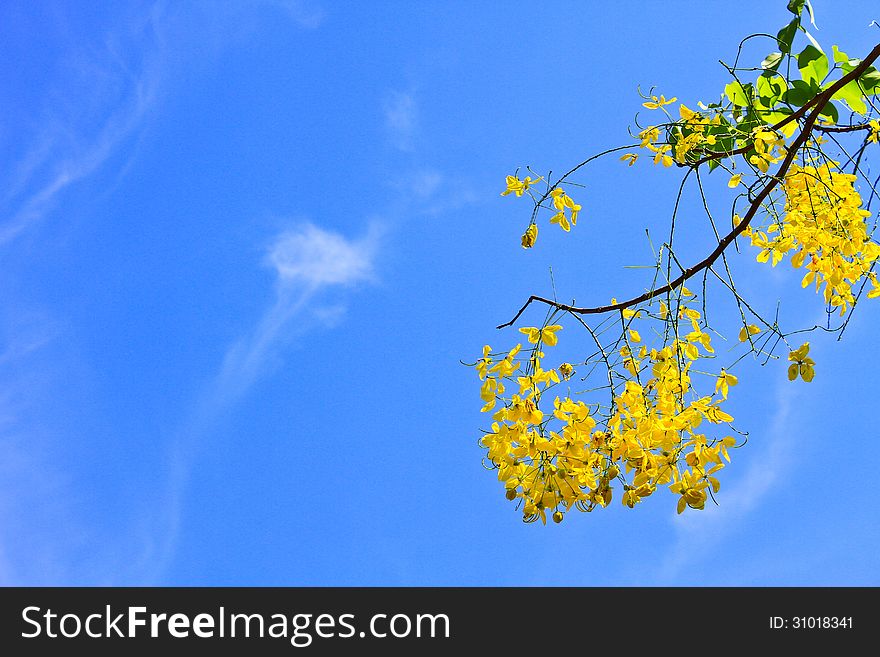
point(817, 103)
point(843, 128)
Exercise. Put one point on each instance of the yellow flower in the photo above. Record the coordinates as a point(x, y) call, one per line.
point(561, 201)
point(875, 131)
point(661, 156)
point(574, 207)
point(630, 158)
point(529, 237)
point(686, 113)
point(547, 334)
point(517, 186)
point(760, 163)
point(824, 228)
point(566, 370)
point(648, 135)
point(875, 286)
point(484, 362)
point(725, 380)
point(746, 331)
point(562, 220)
point(734, 180)
point(656, 103)
point(801, 364)
point(489, 391)
point(692, 491)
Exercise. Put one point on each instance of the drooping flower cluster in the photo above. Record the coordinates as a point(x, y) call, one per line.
point(574, 454)
point(555, 448)
point(824, 228)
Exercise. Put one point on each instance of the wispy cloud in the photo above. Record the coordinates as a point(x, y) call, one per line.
point(310, 258)
point(401, 119)
point(306, 261)
point(36, 527)
point(117, 84)
point(421, 187)
point(109, 87)
point(90, 119)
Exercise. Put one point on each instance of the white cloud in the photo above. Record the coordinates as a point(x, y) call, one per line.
point(109, 88)
point(311, 257)
point(401, 119)
point(46, 534)
point(101, 102)
point(307, 260)
point(72, 170)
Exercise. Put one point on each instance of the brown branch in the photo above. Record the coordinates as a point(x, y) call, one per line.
point(817, 103)
point(842, 128)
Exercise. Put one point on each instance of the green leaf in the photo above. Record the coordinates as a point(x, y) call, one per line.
point(786, 35)
point(796, 7)
point(750, 122)
point(813, 65)
point(800, 93)
point(829, 111)
point(738, 94)
point(770, 88)
point(846, 63)
point(870, 81)
point(713, 164)
point(771, 61)
point(851, 94)
point(725, 145)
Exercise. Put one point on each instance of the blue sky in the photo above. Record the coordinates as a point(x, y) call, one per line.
point(244, 246)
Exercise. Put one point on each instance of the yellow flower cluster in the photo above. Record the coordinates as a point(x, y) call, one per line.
point(519, 187)
point(573, 455)
point(688, 134)
point(801, 364)
point(824, 225)
point(769, 149)
point(694, 134)
point(650, 137)
point(562, 203)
